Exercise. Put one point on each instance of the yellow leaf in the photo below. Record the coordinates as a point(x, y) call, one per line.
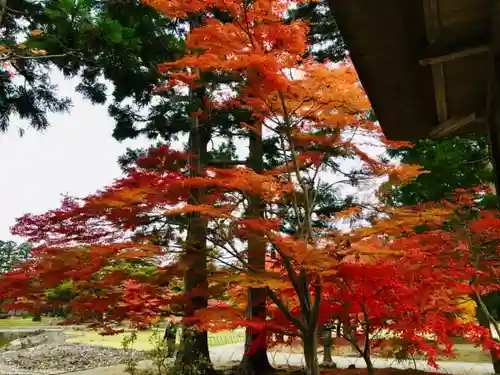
point(21, 46)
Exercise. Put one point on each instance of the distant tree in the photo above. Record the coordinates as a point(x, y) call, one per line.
point(12, 253)
point(324, 36)
point(453, 162)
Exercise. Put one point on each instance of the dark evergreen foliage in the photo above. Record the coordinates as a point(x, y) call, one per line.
point(453, 162)
point(116, 42)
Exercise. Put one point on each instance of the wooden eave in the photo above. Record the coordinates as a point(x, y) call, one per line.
point(425, 64)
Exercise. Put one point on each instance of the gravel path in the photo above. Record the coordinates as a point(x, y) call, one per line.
point(50, 359)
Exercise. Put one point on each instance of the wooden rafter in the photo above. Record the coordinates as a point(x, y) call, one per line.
point(433, 30)
point(453, 124)
point(440, 92)
point(493, 94)
point(432, 20)
point(456, 55)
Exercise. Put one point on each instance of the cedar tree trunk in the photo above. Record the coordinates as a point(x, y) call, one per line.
point(193, 355)
point(256, 361)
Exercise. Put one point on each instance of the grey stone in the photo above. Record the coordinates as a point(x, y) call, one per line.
point(51, 358)
point(49, 337)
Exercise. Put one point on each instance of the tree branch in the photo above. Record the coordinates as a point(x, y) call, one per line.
point(285, 311)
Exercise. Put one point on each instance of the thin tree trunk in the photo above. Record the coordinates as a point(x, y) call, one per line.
point(367, 347)
point(369, 364)
point(482, 318)
point(310, 353)
point(255, 360)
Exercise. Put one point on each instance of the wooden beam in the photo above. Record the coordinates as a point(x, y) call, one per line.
point(432, 20)
point(456, 55)
point(452, 125)
point(433, 31)
point(493, 105)
point(440, 92)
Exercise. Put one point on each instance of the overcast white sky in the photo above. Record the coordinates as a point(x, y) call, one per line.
point(76, 155)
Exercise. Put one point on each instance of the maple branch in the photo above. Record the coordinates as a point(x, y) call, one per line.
point(347, 331)
point(14, 57)
point(293, 154)
point(246, 29)
point(230, 265)
point(314, 192)
point(367, 331)
point(295, 204)
point(289, 269)
point(486, 312)
point(316, 306)
point(234, 253)
point(480, 302)
point(285, 311)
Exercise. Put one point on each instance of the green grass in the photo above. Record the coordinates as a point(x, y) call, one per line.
point(19, 322)
point(143, 341)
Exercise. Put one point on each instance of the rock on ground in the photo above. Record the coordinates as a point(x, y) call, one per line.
point(49, 359)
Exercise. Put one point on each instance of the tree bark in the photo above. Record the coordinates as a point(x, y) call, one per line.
point(193, 351)
point(193, 354)
point(310, 353)
point(256, 361)
point(369, 364)
point(483, 320)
